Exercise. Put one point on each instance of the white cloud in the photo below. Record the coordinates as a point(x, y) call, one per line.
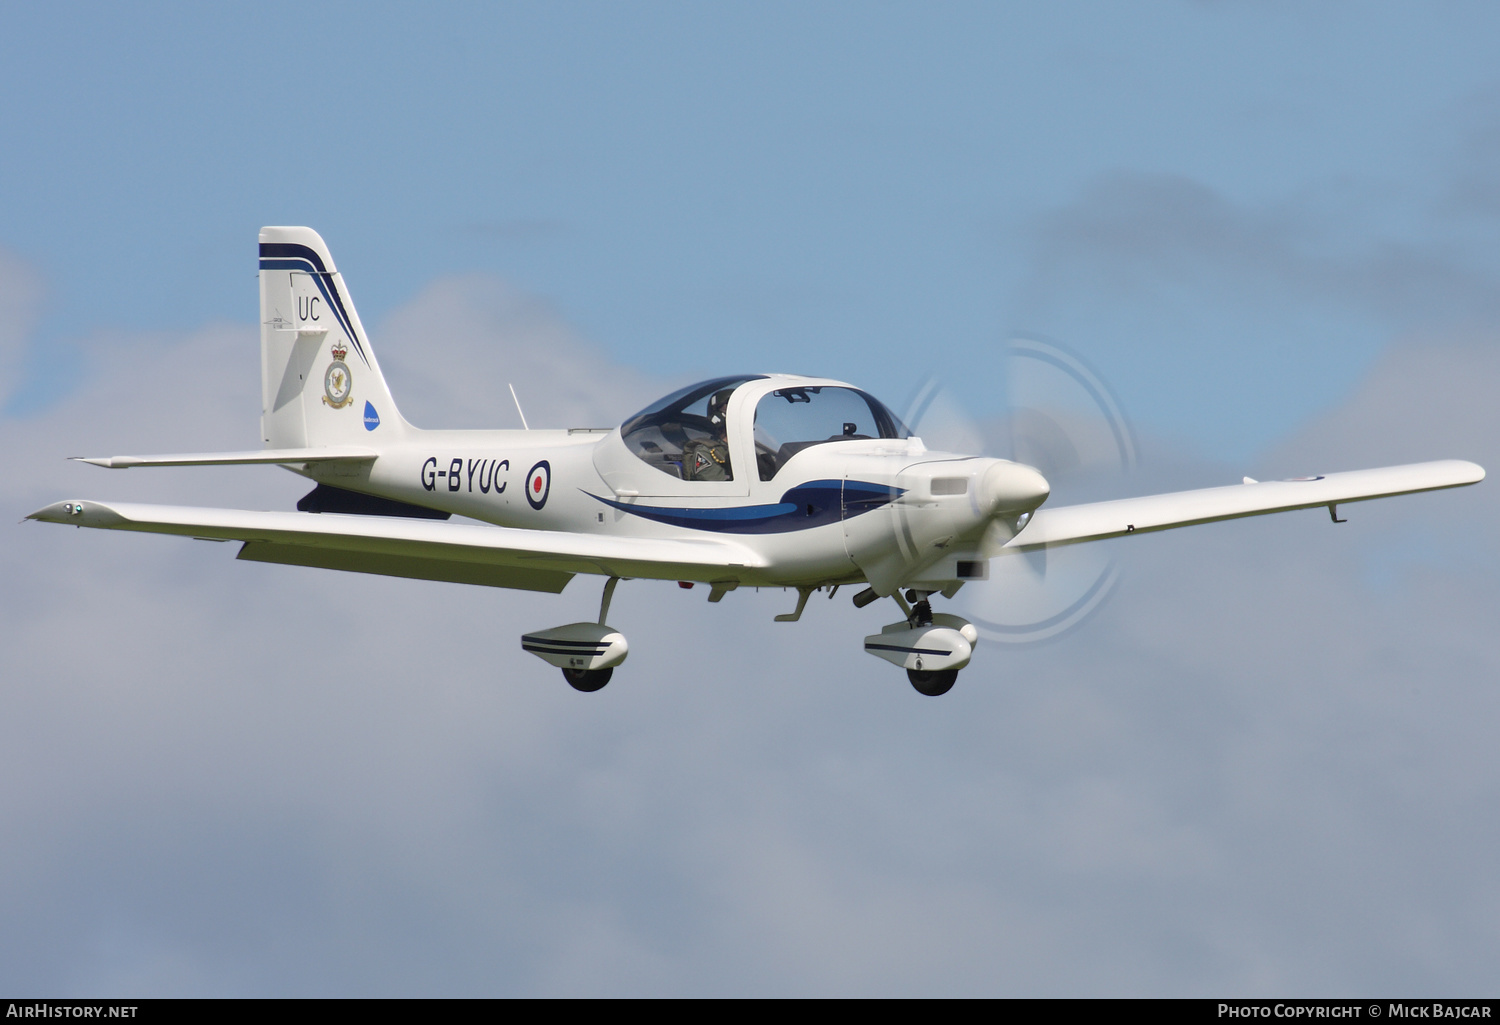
point(450, 354)
point(1137, 235)
point(1430, 397)
point(20, 301)
point(1230, 323)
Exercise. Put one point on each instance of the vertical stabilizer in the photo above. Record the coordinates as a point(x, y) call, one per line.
point(320, 383)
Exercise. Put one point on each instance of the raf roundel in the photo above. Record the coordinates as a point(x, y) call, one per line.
point(538, 484)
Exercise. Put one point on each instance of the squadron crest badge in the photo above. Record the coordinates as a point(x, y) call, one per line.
point(338, 382)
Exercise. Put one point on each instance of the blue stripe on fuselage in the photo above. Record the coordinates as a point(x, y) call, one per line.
point(814, 504)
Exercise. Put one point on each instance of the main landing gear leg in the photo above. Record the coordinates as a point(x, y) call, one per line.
point(609, 594)
point(590, 680)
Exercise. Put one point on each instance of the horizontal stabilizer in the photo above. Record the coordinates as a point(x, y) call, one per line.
point(399, 546)
point(1098, 520)
point(329, 454)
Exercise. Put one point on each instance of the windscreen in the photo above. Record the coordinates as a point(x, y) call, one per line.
point(792, 419)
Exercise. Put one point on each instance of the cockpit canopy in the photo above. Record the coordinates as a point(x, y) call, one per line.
point(686, 434)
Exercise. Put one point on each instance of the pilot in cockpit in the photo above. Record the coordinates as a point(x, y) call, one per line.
point(708, 458)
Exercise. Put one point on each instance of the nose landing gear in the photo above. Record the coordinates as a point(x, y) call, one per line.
point(931, 646)
point(932, 683)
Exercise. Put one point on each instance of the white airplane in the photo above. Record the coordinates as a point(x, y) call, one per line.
point(763, 480)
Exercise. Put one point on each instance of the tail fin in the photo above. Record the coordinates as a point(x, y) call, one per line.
point(320, 383)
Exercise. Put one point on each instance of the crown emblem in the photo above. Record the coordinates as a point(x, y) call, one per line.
point(339, 351)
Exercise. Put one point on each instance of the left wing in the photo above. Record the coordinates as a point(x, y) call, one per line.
point(536, 560)
point(1095, 521)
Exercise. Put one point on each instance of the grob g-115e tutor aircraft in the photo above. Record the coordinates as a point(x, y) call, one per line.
point(764, 480)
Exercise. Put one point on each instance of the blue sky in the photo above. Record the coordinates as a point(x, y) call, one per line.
point(872, 191)
point(1265, 766)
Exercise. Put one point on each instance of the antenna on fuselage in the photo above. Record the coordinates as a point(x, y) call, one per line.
point(518, 406)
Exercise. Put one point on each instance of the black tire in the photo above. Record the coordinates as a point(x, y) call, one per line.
point(590, 680)
point(932, 683)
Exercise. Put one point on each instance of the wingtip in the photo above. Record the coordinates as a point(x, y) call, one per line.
point(105, 461)
point(78, 514)
point(57, 512)
point(1472, 473)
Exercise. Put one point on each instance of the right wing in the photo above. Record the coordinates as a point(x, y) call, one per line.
point(1071, 524)
point(535, 560)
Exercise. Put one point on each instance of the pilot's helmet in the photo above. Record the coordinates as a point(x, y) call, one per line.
point(718, 402)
